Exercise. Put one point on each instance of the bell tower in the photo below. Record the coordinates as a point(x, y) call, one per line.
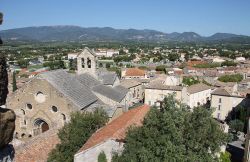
point(86, 62)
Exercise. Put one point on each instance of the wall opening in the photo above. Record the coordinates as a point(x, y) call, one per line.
point(89, 62)
point(40, 126)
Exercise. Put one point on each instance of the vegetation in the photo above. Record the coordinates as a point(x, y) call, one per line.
point(190, 81)
point(236, 125)
point(102, 157)
point(238, 114)
point(72, 64)
point(208, 65)
point(54, 65)
point(228, 63)
point(173, 133)
point(14, 82)
point(23, 63)
point(231, 78)
point(161, 68)
point(225, 157)
point(75, 133)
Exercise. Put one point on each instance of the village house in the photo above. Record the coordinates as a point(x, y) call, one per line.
point(193, 96)
point(132, 73)
point(223, 100)
point(136, 89)
point(111, 138)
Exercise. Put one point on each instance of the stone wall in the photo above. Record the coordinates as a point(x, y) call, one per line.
point(38, 101)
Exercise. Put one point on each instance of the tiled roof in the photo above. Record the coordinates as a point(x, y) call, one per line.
point(107, 78)
point(221, 92)
point(68, 85)
point(87, 80)
point(159, 84)
point(128, 83)
point(197, 88)
point(38, 148)
point(117, 128)
point(135, 72)
point(113, 93)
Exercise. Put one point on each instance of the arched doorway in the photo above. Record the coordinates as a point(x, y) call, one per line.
point(40, 126)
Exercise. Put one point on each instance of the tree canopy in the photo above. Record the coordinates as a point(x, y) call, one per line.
point(172, 134)
point(190, 81)
point(231, 78)
point(75, 133)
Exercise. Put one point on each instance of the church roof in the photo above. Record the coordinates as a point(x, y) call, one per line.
point(108, 78)
point(87, 80)
point(116, 94)
point(78, 93)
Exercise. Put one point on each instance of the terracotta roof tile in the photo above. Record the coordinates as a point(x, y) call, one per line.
point(117, 128)
point(135, 72)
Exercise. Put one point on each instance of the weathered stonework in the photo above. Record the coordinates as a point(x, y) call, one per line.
point(33, 113)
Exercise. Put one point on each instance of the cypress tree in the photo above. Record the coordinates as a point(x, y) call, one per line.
point(14, 82)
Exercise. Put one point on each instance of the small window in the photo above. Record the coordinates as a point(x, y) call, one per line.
point(219, 107)
point(218, 116)
point(219, 100)
point(29, 106)
point(54, 109)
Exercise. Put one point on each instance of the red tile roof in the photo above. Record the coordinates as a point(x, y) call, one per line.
point(117, 128)
point(194, 63)
point(38, 149)
point(135, 72)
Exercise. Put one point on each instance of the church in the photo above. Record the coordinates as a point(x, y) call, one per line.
point(48, 99)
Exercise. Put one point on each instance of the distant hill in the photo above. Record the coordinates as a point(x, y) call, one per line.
point(76, 33)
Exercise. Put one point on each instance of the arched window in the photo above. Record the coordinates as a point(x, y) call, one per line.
point(89, 63)
point(100, 65)
point(83, 63)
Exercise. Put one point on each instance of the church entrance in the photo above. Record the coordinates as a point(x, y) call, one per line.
point(40, 126)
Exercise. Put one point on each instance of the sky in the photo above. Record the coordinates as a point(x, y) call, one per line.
point(204, 17)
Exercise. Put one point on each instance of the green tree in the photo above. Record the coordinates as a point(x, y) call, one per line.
point(225, 157)
point(102, 157)
point(190, 81)
point(14, 86)
point(23, 63)
point(172, 134)
point(231, 78)
point(236, 125)
point(75, 133)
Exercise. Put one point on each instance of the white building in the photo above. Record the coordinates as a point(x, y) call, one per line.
point(72, 56)
point(223, 100)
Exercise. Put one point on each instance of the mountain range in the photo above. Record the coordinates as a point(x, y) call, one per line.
point(76, 33)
